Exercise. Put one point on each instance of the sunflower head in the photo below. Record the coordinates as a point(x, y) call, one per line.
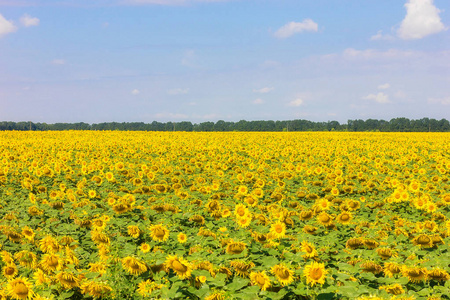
point(315, 273)
point(260, 279)
point(283, 274)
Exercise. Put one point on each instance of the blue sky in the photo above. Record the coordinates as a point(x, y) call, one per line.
point(204, 60)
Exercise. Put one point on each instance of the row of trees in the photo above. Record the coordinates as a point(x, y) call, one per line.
point(397, 124)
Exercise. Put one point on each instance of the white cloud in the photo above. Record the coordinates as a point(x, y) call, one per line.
point(178, 91)
point(296, 27)
point(135, 92)
point(443, 101)
point(422, 19)
point(381, 37)
point(258, 101)
point(189, 58)
point(384, 86)
point(368, 54)
point(263, 90)
point(58, 61)
point(6, 26)
point(295, 103)
point(380, 98)
point(29, 21)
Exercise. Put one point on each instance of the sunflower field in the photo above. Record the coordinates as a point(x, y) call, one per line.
point(237, 215)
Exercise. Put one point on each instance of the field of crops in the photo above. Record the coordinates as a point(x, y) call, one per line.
point(149, 215)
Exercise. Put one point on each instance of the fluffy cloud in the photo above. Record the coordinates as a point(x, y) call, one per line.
point(380, 98)
point(29, 21)
point(178, 91)
point(6, 26)
point(135, 92)
point(264, 90)
point(443, 101)
point(296, 103)
point(422, 19)
point(258, 101)
point(381, 37)
point(384, 86)
point(296, 27)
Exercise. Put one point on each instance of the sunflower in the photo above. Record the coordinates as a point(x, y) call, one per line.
point(423, 241)
point(145, 247)
point(372, 267)
point(244, 222)
point(385, 253)
point(324, 219)
point(26, 258)
point(415, 274)
point(278, 230)
point(344, 218)
point(393, 289)
point(241, 211)
point(260, 279)
point(40, 278)
point(49, 244)
point(390, 269)
point(182, 238)
point(242, 268)
point(133, 265)
point(145, 288)
point(179, 265)
point(235, 247)
point(216, 296)
point(133, 231)
point(283, 274)
point(10, 271)
point(51, 262)
point(68, 280)
point(306, 215)
point(96, 289)
point(28, 233)
point(438, 275)
point(315, 273)
point(159, 233)
point(197, 219)
point(19, 288)
point(309, 229)
point(309, 250)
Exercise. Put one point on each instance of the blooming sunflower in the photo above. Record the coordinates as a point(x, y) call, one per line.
point(283, 274)
point(309, 250)
point(133, 231)
point(133, 265)
point(96, 289)
point(182, 238)
point(68, 280)
point(344, 218)
point(159, 233)
point(315, 273)
point(393, 289)
point(10, 271)
point(145, 247)
point(19, 288)
point(438, 275)
point(260, 279)
point(179, 265)
point(324, 219)
point(51, 262)
point(278, 230)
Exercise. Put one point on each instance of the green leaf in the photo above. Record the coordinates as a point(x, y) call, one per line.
point(237, 284)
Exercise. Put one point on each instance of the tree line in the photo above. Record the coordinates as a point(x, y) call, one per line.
point(394, 125)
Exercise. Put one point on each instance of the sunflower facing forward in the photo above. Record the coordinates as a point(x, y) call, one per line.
point(315, 273)
point(20, 288)
point(283, 274)
point(260, 279)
